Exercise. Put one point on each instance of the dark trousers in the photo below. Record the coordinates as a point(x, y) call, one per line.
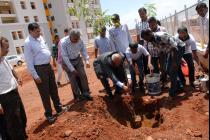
point(48, 89)
point(83, 88)
point(145, 63)
point(163, 62)
point(189, 59)
point(14, 115)
point(139, 63)
point(174, 72)
point(155, 63)
point(3, 132)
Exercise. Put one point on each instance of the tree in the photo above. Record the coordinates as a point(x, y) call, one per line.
point(151, 9)
point(94, 17)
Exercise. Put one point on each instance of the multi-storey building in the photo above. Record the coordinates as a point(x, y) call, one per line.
point(59, 18)
point(15, 15)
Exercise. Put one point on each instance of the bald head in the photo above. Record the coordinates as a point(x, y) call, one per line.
point(116, 59)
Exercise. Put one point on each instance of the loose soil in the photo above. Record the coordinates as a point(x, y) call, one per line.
point(184, 118)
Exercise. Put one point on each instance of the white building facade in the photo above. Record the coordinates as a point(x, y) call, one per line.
point(15, 15)
point(62, 19)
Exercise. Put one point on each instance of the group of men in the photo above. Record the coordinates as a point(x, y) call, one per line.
point(116, 58)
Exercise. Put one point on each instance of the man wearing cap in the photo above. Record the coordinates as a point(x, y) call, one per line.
point(119, 35)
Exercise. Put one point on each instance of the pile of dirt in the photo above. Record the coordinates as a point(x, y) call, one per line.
point(105, 119)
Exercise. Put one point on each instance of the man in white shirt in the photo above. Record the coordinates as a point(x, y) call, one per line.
point(10, 101)
point(202, 11)
point(134, 56)
point(38, 56)
point(71, 48)
point(119, 35)
point(102, 43)
point(143, 25)
point(190, 53)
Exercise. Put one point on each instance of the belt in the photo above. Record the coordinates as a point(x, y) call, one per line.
point(43, 65)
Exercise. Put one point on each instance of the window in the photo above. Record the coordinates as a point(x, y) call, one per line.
point(14, 36)
point(26, 18)
point(77, 24)
point(23, 4)
point(48, 18)
point(73, 25)
point(20, 35)
point(90, 36)
point(18, 50)
point(52, 18)
point(33, 6)
point(55, 31)
point(49, 5)
point(36, 19)
point(22, 48)
point(45, 6)
point(70, 1)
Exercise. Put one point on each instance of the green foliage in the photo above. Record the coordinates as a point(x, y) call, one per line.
point(151, 9)
point(92, 16)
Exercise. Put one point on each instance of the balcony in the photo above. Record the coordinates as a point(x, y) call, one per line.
point(89, 29)
point(74, 18)
point(6, 7)
point(8, 15)
point(70, 4)
point(6, 20)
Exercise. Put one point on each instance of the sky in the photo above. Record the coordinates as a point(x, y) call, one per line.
point(128, 9)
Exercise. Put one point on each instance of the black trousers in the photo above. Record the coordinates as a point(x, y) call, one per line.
point(48, 89)
point(14, 116)
point(189, 59)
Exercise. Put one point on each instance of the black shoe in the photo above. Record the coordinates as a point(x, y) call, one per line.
point(62, 110)
point(88, 97)
point(59, 84)
point(51, 119)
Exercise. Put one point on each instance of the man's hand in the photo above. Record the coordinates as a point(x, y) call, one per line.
point(129, 82)
point(38, 81)
point(125, 89)
point(151, 68)
point(87, 65)
point(75, 72)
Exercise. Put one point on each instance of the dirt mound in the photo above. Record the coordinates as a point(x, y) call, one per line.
point(105, 119)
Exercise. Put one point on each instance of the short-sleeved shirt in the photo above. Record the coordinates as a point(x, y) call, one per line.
point(153, 50)
point(140, 26)
point(140, 50)
point(8, 81)
point(103, 45)
point(166, 42)
point(190, 44)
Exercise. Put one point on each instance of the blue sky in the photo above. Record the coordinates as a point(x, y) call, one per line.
point(128, 9)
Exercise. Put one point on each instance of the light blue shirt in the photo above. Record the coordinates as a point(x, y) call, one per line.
point(103, 44)
point(72, 51)
point(120, 38)
point(36, 52)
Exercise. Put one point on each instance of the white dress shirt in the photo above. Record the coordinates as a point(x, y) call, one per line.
point(7, 80)
point(36, 53)
point(190, 44)
point(120, 38)
point(71, 51)
point(204, 22)
point(103, 44)
point(134, 56)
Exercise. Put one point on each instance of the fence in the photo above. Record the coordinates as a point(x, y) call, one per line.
point(190, 19)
